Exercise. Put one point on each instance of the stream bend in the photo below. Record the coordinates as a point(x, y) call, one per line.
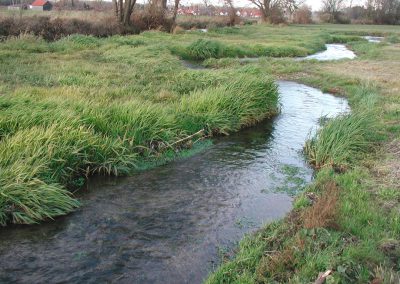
point(171, 223)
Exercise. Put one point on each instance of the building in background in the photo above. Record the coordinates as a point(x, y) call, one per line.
point(41, 5)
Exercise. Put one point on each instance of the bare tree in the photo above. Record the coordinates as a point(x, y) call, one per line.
point(232, 12)
point(123, 10)
point(332, 7)
point(174, 14)
point(303, 15)
point(158, 5)
point(269, 7)
point(386, 11)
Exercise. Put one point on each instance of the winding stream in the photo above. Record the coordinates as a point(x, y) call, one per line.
point(374, 39)
point(333, 52)
point(171, 223)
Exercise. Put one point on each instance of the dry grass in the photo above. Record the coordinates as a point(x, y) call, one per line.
point(382, 72)
point(281, 264)
point(388, 171)
point(322, 213)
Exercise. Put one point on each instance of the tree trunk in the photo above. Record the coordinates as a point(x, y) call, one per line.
point(115, 8)
point(174, 15)
point(123, 10)
point(128, 9)
point(264, 16)
point(120, 9)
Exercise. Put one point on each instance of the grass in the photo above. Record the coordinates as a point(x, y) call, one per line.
point(101, 106)
point(84, 105)
point(343, 140)
point(347, 220)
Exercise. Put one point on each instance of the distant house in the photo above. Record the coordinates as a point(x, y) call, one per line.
point(41, 5)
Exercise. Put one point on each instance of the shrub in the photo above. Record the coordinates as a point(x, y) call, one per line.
point(303, 15)
point(151, 20)
point(54, 29)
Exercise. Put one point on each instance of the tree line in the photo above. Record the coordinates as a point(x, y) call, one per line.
point(278, 11)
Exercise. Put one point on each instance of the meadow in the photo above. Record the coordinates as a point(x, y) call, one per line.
point(83, 106)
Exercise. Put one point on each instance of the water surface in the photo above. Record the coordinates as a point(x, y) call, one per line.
point(333, 52)
point(374, 39)
point(170, 224)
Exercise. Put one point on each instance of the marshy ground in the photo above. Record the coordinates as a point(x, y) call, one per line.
point(82, 106)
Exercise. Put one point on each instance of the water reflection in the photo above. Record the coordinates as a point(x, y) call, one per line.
point(168, 225)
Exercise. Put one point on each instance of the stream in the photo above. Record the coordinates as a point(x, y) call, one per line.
point(171, 224)
point(374, 39)
point(333, 52)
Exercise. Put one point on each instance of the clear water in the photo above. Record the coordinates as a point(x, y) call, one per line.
point(170, 224)
point(333, 52)
point(374, 39)
point(192, 65)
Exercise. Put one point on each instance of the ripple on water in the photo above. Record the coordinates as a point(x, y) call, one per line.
point(333, 52)
point(374, 39)
point(168, 224)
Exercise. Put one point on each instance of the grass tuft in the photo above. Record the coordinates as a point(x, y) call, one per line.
point(341, 141)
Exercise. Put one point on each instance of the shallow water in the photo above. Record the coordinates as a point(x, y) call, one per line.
point(333, 52)
point(374, 39)
point(192, 65)
point(169, 224)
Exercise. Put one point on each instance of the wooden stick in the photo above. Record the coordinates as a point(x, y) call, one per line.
point(187, 138)
point(321, 278)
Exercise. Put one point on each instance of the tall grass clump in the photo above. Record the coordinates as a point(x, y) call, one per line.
point(340, 141)
point(202, 49)
point(38, 162)
point(223, 109)
point(90, 106)
point(344, 139)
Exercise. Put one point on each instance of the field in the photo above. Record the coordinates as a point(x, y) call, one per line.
point(82, 105)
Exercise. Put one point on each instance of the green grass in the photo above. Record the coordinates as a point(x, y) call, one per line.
point(343, 140)
point(102, 106)
point(349, 229)
point(288, 251)
point(84, 106)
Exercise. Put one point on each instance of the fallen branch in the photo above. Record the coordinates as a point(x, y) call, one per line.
point(322, 276)
point(187, 138)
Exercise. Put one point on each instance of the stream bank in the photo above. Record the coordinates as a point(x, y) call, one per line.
point(172, 223)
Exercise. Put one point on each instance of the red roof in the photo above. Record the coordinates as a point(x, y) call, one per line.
point(39, 3)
